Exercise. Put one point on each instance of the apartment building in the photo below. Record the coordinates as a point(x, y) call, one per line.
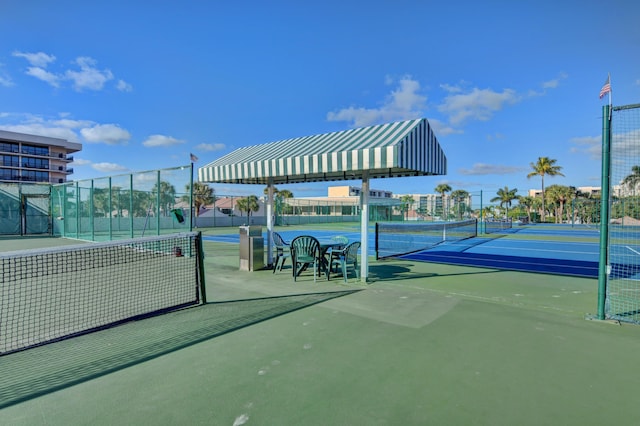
point(26, 158)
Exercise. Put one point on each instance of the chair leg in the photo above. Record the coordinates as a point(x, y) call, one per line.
point(344, 270)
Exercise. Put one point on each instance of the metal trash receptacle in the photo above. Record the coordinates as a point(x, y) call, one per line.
point(251, 248)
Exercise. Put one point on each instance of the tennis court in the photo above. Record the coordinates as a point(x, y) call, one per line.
point(508, 251)
point(552, 249)
point(421, 343)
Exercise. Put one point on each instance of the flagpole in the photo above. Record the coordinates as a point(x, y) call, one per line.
point(610, 101)
point(191, 205)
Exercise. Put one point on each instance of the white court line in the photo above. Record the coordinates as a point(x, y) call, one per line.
point(633, 250)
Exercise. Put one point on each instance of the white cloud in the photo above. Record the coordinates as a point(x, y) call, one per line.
point(80, 162)
point(89, 77)
point(123, 86)
point(39, 60)
point(210, 147)
point(161, 140)
point(490, 169)
point(5, 78)
point(401, 104)
point(67, 128)
point(478, 104)
point(41, 129)
point(71, 124)
point(495, 136)
point(442, 129)
point(552, 84)
point(110, 134)
point(44, 75)
point(590, 145)
point(108, 167)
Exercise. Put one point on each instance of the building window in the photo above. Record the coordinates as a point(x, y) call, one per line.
point(35, 163)
point(10, 161)
point(35, 176)
point(9, 147)
point(35, 150)
point(9, 174)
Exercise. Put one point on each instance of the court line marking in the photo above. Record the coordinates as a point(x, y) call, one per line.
point(635, 251)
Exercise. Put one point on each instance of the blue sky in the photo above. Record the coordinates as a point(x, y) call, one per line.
point(142, 84)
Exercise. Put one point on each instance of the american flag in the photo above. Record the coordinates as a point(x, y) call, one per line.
point(194, 158)
point(606, 88)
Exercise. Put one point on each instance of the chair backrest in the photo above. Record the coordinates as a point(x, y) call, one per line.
point(340, 239)
point(305, 246)
point(278, 241)
point(351, 251)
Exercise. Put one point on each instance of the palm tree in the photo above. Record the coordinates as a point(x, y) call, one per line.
point(406, 201)
point(544, 166)
point(458, 196)
point(632, 180)
point(527, 202)
point(559, 194)
point(442, 189)
point(203, 194)
point(248, 204)
point(167, 196)
point(505, 196)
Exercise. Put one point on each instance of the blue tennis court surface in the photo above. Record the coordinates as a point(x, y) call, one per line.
point(552, 257)
point(561, 250)
point(290, 235)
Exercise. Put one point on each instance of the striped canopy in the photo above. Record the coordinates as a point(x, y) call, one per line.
point(404, 148)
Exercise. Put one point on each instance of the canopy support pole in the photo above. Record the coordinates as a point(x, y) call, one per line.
point(364, 227)
point(270, 222)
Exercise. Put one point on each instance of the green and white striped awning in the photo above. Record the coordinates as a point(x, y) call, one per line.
point(404, 148)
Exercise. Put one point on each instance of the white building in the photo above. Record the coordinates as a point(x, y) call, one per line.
point(32, 158)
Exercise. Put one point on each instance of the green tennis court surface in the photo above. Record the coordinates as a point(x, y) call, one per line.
point(422, 343)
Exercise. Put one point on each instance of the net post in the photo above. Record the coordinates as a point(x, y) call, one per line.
point(200, 269)
point(131, 233)
point(604, 210)
point(481, 213)
point(376, 241)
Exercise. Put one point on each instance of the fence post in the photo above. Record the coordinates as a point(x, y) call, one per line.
point(604, 211)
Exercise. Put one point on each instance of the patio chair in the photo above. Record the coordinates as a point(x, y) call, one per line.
point(305, 251)
point(283, 251)
point(345, 258)
point(341, 239)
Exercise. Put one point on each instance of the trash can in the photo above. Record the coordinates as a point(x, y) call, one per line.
point(251, 248)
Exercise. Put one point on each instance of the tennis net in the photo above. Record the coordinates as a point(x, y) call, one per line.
point(497, 225)
point(52, 294)
point(396, 239)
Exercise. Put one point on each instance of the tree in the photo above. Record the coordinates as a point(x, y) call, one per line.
point(545, 166)
point(248, 204)
point(505, 196)
point(632, 180)
point(442, 189)
point(285, 193)
point(167, 196)
point(527, 202)
point(406, 201)
point(557, 196)
point(203, 194)
point(459, 196)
